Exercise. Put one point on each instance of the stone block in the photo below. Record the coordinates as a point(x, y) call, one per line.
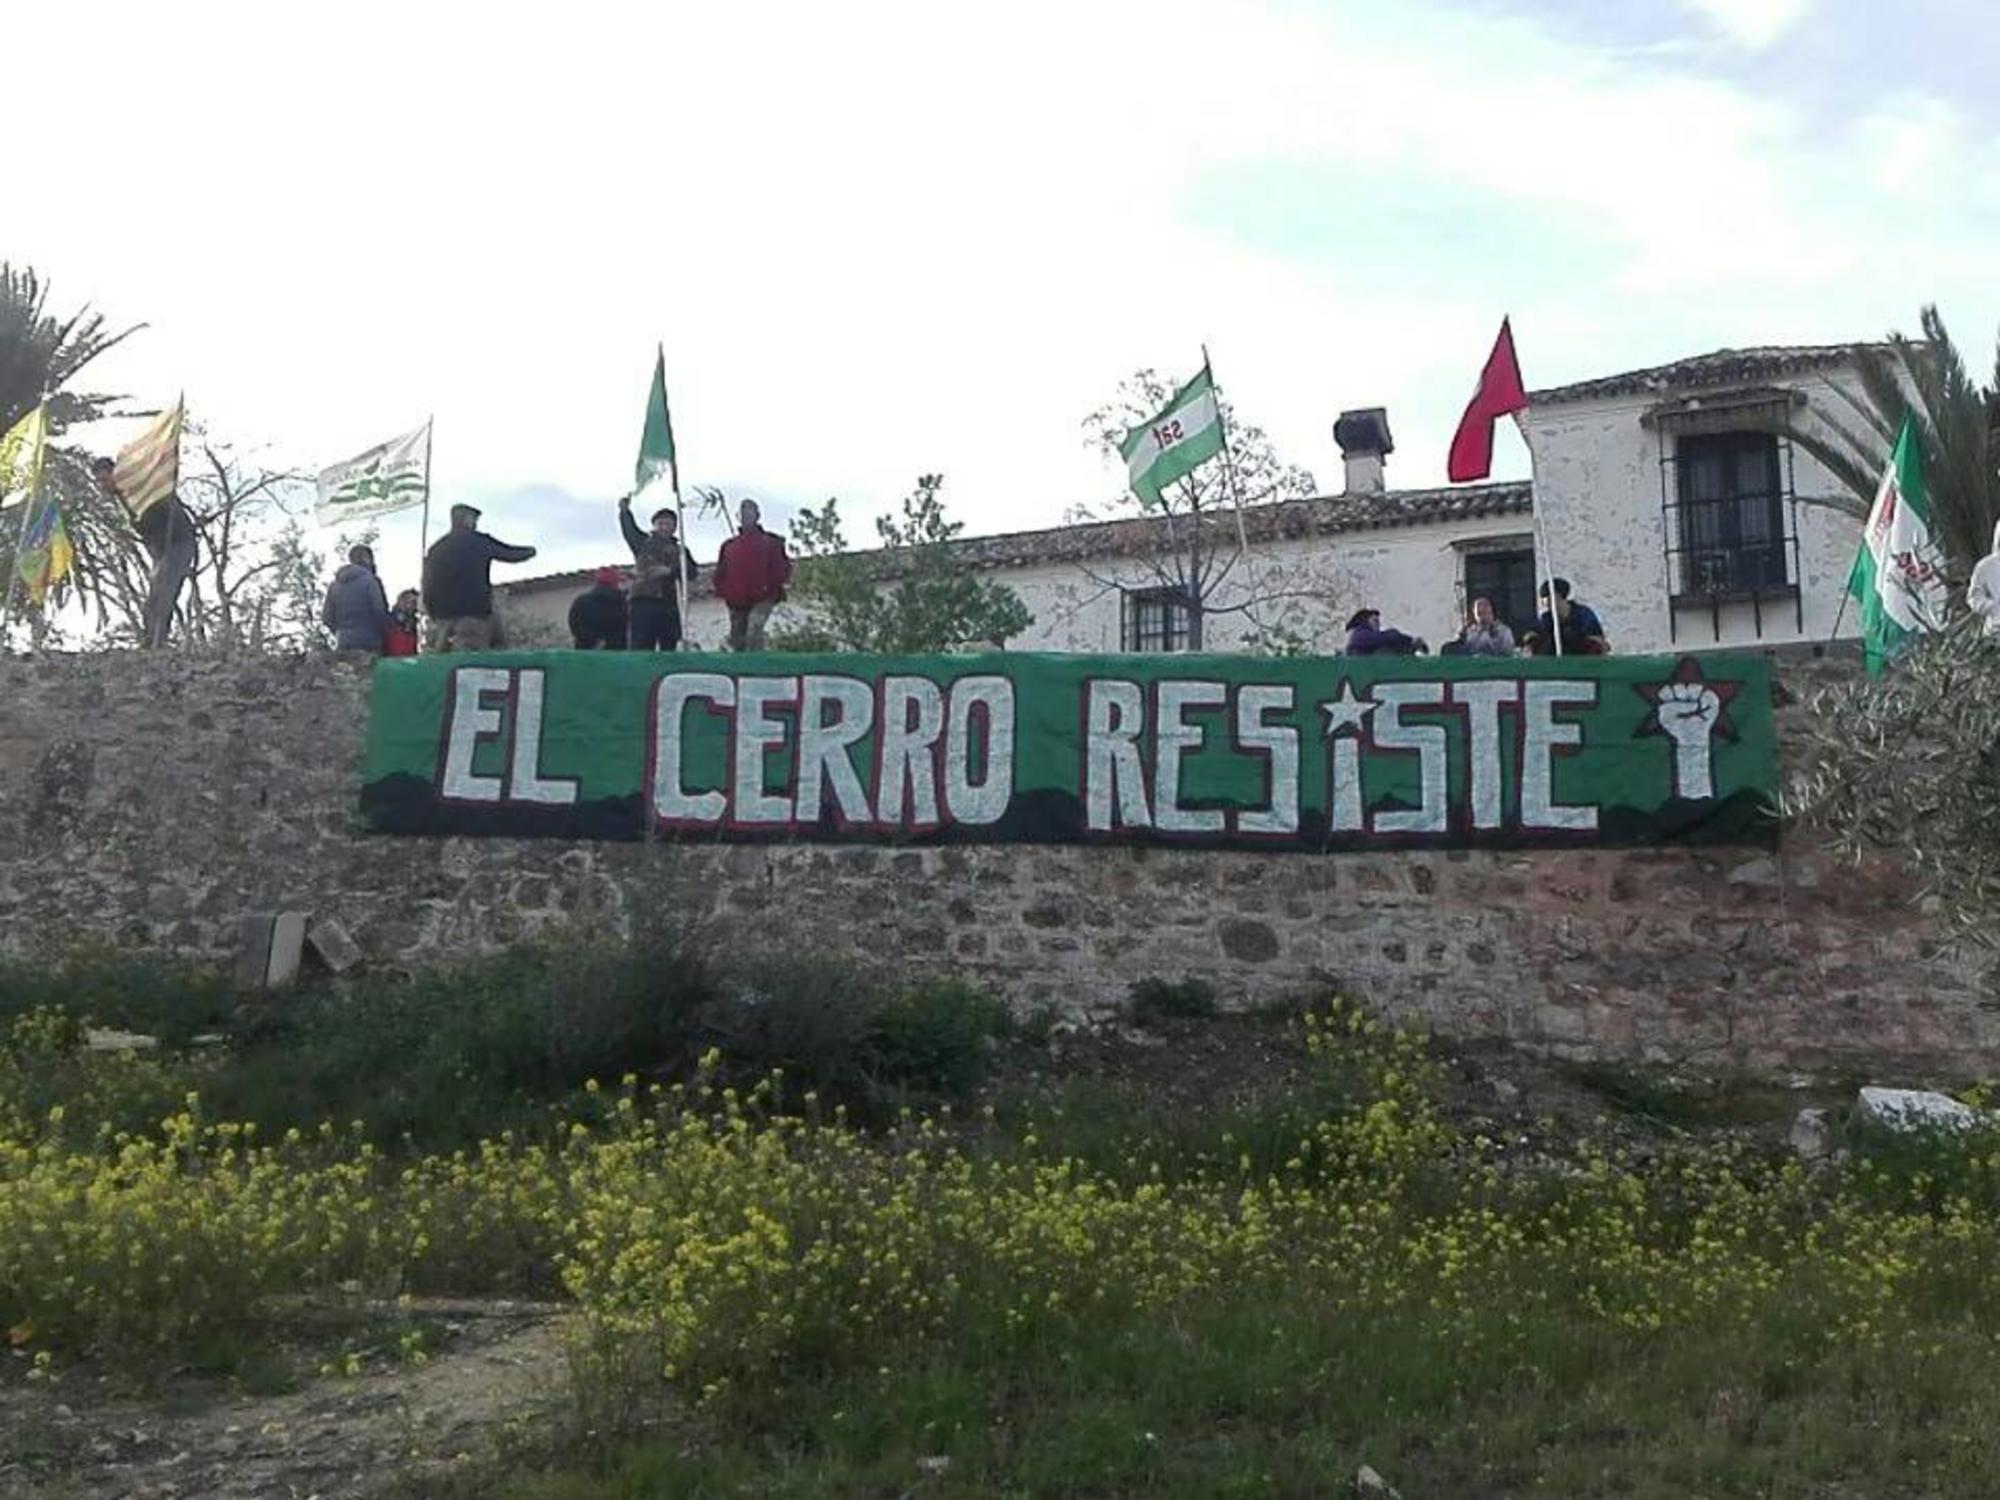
point(253, 953)
point(1249, 942)
point(332, 945)
point(1915, 1109)
point(288, 948)
point(1812, 1135)
point(1761, 871)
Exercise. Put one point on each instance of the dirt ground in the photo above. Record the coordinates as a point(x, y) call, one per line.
point(335, 1437)
point(1530, 1104)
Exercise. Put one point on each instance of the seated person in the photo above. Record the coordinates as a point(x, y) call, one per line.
point(1485, 633)
point(1366, 637)
point(1582, 633)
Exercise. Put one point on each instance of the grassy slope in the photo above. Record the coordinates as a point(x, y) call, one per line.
point(1677, 1318)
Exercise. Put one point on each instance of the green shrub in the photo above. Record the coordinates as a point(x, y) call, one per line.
point(805, 1018)
point(837, 1032)
point(153, 993)
point(937, 1035)
point(458, 1053)
point(444, 1057)
point(52, 1086)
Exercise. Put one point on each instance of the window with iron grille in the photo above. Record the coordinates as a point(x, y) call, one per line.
point(1156, 620)
point(1730, 514)
point(1508, 579)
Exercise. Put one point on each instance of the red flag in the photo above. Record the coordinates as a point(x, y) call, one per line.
point(1500, 394)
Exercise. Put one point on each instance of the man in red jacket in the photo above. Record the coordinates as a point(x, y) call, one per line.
point(750, 577)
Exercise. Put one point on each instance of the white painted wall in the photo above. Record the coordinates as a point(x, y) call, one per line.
point(1598, 498)
point(1309, 588)
point(1597, 494)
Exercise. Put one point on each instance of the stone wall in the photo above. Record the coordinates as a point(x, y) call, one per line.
point(153, 801)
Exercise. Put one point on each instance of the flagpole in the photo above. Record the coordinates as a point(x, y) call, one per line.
point(1545, 561)
point(1839, 617)
point(424, 532)
point(1236, 498)
point(14, 559)
point(684, 583)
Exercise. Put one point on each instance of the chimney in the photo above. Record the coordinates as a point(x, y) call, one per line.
point(1364, 441)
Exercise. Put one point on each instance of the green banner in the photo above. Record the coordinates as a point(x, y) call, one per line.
point(1300, 753)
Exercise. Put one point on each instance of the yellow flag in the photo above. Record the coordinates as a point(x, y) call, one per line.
point(44, 557)
point(21, 458)
point(149, 466)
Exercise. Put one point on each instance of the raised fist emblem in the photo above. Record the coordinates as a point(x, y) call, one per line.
point(1690, 712)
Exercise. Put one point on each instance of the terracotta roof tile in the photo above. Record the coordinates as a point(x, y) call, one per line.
point(1722, 367)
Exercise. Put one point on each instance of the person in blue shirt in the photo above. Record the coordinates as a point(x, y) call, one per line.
point(1582, 631)
point(1366, 637)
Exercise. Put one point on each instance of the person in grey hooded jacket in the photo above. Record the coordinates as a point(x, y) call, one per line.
point(356, 609)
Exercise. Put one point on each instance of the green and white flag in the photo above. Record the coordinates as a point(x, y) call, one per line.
point(656, 441)
point(1898, 574)
point(388, 477)
point(1186, 434)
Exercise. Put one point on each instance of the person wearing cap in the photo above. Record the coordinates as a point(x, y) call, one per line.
point(458, 584)
point(1366, 637)
point(597, 617)
point(656, 581)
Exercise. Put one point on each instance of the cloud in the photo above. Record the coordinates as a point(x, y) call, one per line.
point(877, 241)
point(1752, 23)
point(1907, 145)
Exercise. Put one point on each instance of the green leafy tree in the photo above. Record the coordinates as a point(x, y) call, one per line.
point(911, 597)
point(1194, 548)
point(1958, 417)
point(41, 353)
point(1908, 765)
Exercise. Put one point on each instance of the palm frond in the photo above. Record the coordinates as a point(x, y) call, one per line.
point(1924, 380)
point(40, 354)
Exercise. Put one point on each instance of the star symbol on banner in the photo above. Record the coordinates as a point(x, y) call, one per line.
point(1687, 703)
point(1346, 714)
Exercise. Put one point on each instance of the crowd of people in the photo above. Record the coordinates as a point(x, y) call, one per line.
point(639, 612)
point(1565, 627)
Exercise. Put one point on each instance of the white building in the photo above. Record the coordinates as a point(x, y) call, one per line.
point(1661, 494)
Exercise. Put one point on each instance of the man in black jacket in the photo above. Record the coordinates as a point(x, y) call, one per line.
point(597, 616)
point(656, 584)
point(458, 586)
point(168, 534)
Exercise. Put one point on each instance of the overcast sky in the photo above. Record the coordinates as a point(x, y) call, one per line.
point(879, 239)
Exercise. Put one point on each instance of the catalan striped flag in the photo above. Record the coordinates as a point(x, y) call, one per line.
point(149, 467)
